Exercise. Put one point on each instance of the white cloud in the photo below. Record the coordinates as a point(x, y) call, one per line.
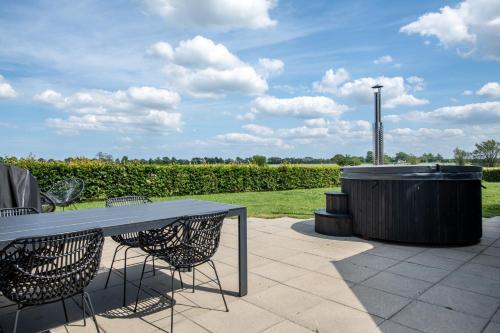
point(214, 14)
point(161, 50)
point(136, 109)
point(316, 122)
point(383, 60)
point(249, 139)
point(301, 107)
point(396, 90)
point(472, 27)
point(422, 135)
point(6, 90)
point(331, 80)
point(271, 67)
point(490, 89)
point(258, 129)
point(201, 68)
point(467, 92)
point(475, 113)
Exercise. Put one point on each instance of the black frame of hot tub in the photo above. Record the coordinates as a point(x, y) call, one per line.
point(438, 205)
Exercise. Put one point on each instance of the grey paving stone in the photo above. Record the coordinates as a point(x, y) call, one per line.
point(320, 285)
point(391, 252)
point(429, 259)
point(348, 271)
point(492, 328)
point(287, 327)
point(307, 261)
point(492, 251)
point(330, 317)
point(416, 271)
point(452, 254)
point(372, 261)
point(279, 272)
point(473, 283)
point(397, 284)
point(371, 300)
point(432, 318)
point(392, 327)
point(461, 300)
point(484, 259)
point(496, 317)
point(488, 272)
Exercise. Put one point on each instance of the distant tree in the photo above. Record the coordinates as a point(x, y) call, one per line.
point(487, 152)
point(104, 156)
point(274, 160)
point(412, 159)
point(401, 157)
point(259, 160)
point(369, 157)
point(460, 156)
point(387, 159)
point(339, 159)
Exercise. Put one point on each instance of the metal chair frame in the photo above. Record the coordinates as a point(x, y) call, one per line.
point(65, 192)
point(43, 270)
point(17, 211)
point(185, 244)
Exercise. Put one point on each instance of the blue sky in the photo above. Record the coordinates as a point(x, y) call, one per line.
point(229, 78)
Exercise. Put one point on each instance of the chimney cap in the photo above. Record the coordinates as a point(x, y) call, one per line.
point(377, 86)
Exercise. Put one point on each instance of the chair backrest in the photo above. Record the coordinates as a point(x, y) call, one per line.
point(197, 235)
point(66, 191)
point(16, 211)
point(127, 201)
point(48, 205)
point(40, 270)
point(130, 200)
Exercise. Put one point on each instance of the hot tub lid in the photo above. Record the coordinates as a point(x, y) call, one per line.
point(431, 172)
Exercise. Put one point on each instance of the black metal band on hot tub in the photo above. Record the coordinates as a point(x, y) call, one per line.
point(413, 176)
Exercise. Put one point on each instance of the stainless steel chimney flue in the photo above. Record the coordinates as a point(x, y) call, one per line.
point(378, 129)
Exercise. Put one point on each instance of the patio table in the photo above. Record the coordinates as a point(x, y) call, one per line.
point(119, 220)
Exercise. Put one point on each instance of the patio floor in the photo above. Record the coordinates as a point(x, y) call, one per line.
point(300, 281)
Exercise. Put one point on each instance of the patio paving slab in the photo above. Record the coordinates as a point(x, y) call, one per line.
point(299, 281)
point(431, 318)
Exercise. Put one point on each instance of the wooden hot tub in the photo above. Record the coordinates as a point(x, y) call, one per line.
point(416, 204)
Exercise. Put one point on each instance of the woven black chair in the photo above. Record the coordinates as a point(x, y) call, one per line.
point(66, 191)
point(48, 205)
point(128, 240)
point(185, 244)
point(16, 211)
point(43, 270)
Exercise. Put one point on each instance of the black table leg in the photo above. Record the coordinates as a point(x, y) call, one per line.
point(242, 252)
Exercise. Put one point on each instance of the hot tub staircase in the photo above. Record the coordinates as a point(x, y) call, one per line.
point(335, 220)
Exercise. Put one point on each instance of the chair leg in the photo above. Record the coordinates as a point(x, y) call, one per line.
point(118, 248)
point(194, 270)
point(172, 305)
point(154, 269)
point(65, 310)
point(91, 308)
point(83, 307)
point(180, 278)
point(16, 320)
point(125, 278)
point(218, 281)
point(140, 282)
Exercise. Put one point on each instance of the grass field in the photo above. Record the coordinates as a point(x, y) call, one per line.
point(300, 203)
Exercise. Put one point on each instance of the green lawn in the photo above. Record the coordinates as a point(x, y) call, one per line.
point(300, 203)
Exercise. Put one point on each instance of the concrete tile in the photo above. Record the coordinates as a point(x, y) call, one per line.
point(484, 259)
point(431, 318)
point(334, 253)
point(391, 252)
point(492, 251)
point(287, 327)
point(461, 300)
point(372, 261)
point(285, 301)
point(391, 327)
point(242, 317)
point(328, 317)
point(488, 272)
point(451, 253)
point(348, 271)
point(496, 243)
point(473, 283)
point(492, 328)
point(306, 261)
point(273, 252)
point(496, 317)
point(185, 326)
point(416, 271)
point(431, 260)
point(396, 284)
point(371, 300)
point(253, 260)
point(319, 284)
point(279, 272)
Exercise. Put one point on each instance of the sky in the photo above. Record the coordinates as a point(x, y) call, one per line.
point(187, 78)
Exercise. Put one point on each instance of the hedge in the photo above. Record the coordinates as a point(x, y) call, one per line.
point(104, 180)
point(491, 174)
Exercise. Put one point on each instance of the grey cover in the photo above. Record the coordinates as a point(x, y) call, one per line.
point(18, 188)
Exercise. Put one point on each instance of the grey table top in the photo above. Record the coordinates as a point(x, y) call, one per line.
point(113, 220)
